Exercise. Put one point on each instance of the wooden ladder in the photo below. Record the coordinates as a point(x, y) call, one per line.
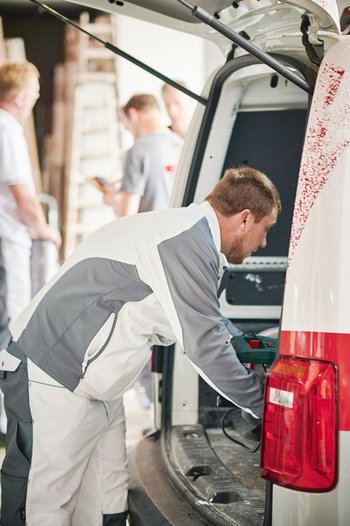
point(96, 142)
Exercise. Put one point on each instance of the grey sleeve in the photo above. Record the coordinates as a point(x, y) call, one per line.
point(135, 171)
point(191, 266)
point(231, 327)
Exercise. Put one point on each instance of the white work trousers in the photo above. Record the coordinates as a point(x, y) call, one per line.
point(79, 469)
point(16, 259)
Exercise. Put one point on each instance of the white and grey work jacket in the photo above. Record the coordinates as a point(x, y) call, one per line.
point(147, 279)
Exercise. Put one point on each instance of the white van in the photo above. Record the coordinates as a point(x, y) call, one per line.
point(292, 121)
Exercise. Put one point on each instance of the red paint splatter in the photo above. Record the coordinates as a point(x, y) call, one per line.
point(326, 138)
point(336, 77)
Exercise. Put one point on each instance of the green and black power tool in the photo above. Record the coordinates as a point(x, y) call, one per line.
point(254, 348)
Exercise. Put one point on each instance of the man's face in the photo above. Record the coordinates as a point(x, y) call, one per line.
point(176, 104)
point(127, 123)
point(251, 236)
point(28, 96)
point(132, 122)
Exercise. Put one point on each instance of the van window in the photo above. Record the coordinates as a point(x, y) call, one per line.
point(272, 142)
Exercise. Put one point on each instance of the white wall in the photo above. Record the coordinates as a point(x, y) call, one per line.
point(175, 54)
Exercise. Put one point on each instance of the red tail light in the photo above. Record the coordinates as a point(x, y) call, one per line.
point(299, 435)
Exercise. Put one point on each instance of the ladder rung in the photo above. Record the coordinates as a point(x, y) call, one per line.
point(93, 155)
point(97, 53)
point(98, 29)
point(98, 76)
point(86, 130)
point(78, 205)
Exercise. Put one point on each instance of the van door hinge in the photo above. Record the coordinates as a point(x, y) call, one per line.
point(314, 51)
point(210, 20)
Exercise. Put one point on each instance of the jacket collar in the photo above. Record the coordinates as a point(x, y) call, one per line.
point(212, 219)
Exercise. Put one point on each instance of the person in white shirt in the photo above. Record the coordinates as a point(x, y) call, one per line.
point(21, 216)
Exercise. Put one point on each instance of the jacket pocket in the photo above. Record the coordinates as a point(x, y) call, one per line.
point(99, 342)
point(13, 500)
point(14, 385)
point(8, 363)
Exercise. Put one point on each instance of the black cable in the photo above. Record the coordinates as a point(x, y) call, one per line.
point(310, 50)
point(210, 20)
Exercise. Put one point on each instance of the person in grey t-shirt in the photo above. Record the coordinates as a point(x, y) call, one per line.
point(150, 165)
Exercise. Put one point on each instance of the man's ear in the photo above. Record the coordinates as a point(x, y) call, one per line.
point(18, 99)
point(245, 218)
point(133, 115)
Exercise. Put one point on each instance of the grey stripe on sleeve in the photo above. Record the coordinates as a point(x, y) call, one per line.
point(191, 266)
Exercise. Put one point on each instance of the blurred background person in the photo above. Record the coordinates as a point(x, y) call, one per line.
point(4, 318)
point(4, 339)
point(150, 164)
point(179, 108)
point(21, 216)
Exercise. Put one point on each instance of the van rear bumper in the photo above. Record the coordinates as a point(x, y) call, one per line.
point(153, 500)
point(194, 478)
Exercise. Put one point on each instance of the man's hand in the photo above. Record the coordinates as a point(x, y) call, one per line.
point(123, 203)
point(250, 418)
point(47, 234)
point(110, 197)
point(32, 215)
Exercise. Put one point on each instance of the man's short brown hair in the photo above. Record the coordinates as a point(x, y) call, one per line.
point(14, 76)
point(141, 102)
point(245, 188)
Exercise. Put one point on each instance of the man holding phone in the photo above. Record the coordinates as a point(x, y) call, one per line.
point(150, 165)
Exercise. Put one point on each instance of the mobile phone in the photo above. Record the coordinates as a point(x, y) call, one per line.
point(101, 183)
